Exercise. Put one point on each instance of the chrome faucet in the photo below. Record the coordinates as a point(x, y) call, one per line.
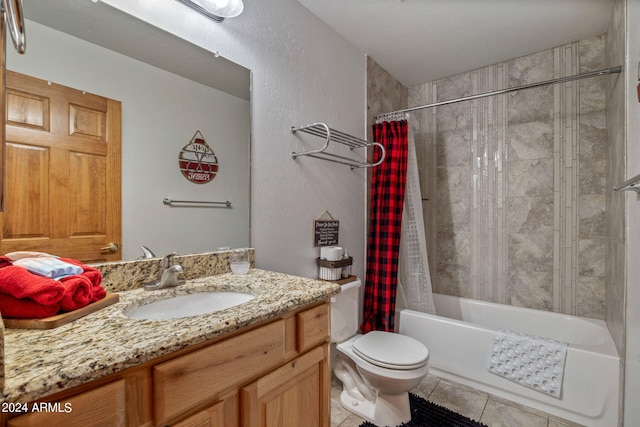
point(170, 275)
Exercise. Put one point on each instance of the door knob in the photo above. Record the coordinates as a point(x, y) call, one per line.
point(111, 247)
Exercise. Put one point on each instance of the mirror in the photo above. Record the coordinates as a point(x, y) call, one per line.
point(170, 90)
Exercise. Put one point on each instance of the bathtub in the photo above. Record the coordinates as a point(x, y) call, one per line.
point(461, 336)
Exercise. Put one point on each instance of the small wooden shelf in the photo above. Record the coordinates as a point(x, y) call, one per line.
point(60, 319)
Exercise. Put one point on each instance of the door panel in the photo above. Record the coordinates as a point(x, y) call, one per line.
point(28, 195)
point(63, 171)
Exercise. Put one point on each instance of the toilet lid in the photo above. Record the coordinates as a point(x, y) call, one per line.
point(390, 350)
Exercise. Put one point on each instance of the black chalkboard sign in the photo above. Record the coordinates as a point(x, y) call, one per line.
point(325, 232)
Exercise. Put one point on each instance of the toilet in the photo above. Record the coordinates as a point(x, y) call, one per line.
point(377, 369)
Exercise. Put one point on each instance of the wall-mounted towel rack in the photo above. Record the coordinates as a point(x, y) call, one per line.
point(169, 202)
point(322, 130)
point(632, 184)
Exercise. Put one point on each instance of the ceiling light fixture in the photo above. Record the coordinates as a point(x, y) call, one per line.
point(217, 10)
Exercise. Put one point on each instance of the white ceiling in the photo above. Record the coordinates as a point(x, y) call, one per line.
point(418, 41)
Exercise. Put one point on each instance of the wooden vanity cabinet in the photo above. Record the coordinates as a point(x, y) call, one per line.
point(118, 402)
point(276, 374)
point(221, 414)
point(291, 396)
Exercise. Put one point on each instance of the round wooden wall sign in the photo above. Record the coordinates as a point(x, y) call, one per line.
point(198, 163)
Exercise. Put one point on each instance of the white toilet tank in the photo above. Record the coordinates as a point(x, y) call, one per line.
point(344, 312)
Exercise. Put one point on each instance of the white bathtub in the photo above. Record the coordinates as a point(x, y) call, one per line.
point(460, 339)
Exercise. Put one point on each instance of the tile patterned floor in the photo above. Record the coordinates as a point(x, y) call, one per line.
point(486, 408)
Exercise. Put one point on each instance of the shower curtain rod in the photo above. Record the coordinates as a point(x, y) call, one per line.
point(613, 70)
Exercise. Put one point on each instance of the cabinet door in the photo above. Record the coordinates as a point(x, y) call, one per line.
point(296, 394)
point(103, 406)
point(123, 402)
point(221, 414)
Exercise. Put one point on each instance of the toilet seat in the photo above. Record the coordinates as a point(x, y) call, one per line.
point(390, 350)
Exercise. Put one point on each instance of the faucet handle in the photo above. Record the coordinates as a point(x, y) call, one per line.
point(167, 260)
point(147, 253)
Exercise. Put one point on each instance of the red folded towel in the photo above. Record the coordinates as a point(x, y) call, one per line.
point(78, 292)
point(25, 308)
point(98, 293)
point(27, 295)
point(93, 274)
point(19, 283)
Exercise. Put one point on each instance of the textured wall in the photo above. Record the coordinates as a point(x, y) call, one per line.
point(302, 72)
point(516, 182)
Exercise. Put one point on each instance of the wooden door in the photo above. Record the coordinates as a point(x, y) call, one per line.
point(62, 171)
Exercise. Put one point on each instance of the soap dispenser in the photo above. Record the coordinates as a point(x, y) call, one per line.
point(346, 269)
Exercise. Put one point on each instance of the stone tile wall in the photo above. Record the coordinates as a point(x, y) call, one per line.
point(516, 183)
point(617, 173)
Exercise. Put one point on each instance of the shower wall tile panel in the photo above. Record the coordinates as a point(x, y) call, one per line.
point(384, 92)
point(616, 173)
point(516, 183)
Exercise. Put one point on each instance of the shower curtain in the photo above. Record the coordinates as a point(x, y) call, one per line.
point(388, 182)
point(414, 281)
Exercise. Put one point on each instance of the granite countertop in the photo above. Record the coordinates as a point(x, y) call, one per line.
point(43, 362)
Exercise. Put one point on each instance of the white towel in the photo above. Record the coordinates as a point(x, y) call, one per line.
point(528, 360)
point(53, 268)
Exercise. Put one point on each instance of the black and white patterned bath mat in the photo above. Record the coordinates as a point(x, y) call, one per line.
point(428, 414)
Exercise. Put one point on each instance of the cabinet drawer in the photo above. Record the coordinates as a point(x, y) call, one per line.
point(313, 327)
point(192, 379)
point(103, 406)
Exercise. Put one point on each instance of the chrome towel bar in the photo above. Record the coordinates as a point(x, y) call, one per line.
point(322, 130)
point(169, 202)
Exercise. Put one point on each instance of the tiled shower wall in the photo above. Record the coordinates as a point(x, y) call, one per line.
point(514, 185)
point(617, 173)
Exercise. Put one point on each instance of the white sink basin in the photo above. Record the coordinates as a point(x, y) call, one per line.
point(188, 305)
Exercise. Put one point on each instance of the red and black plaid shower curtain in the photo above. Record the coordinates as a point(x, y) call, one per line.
point(388, 182)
